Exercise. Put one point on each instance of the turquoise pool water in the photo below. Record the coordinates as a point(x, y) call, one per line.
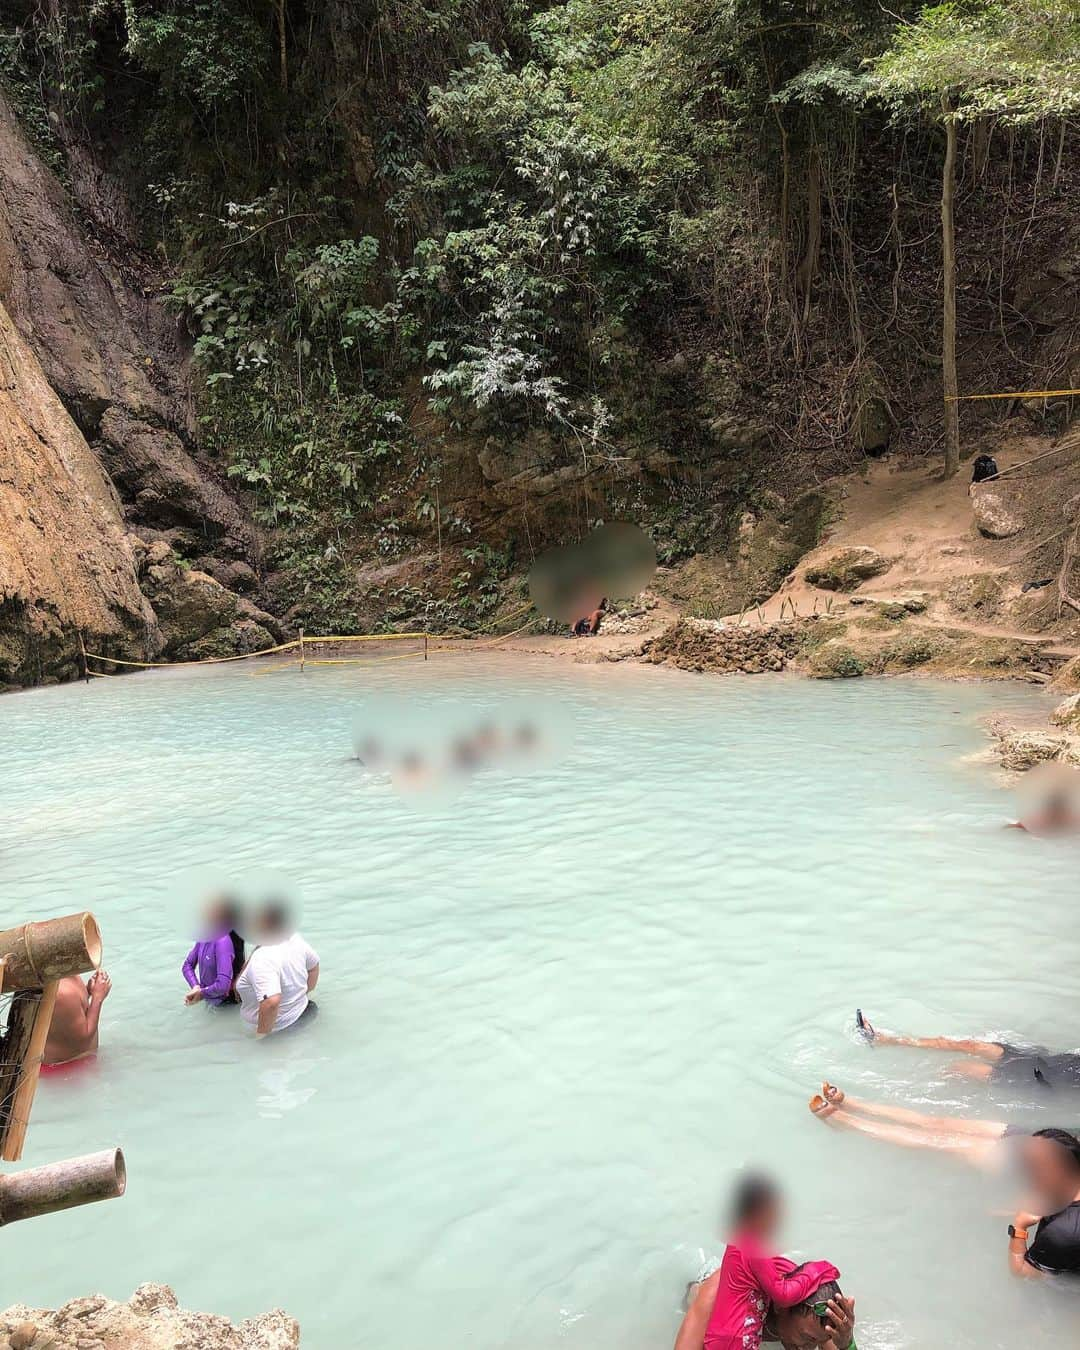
point(557, 1008)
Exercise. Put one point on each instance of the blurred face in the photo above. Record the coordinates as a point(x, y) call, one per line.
point(800, 1330)
point(1048, 1170)
point(216, 916)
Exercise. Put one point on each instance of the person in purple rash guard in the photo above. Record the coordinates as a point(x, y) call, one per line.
point(214, 962)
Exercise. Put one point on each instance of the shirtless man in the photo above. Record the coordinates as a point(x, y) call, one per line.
point(826, 1320)
point(73, 1033)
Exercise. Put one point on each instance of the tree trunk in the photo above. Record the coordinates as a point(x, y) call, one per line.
point(62, 1185)
point(948, 317)
point(809, 264)
point(283, 63)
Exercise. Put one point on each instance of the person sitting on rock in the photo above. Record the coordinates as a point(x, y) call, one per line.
point(589, 624)
point(73, 1032)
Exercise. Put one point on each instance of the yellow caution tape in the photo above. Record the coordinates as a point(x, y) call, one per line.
point(1021, 393)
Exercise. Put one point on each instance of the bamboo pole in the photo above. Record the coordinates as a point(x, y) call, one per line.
point(15, 1111)
point(62, 1185)
point(38, 953)
point(301, 651)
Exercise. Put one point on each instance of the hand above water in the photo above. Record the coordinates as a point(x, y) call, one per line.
point(840, 1319)
point(98, 986)
point(193, 996)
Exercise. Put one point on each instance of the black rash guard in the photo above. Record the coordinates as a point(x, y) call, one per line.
point(1056, 1248)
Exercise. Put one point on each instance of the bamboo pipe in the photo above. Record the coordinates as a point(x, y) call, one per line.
point(62, 1185)
point(38, 953)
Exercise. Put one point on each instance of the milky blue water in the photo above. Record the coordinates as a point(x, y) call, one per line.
point(557, 1009)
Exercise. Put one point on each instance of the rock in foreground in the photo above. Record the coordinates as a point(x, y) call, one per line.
point(150, 1320)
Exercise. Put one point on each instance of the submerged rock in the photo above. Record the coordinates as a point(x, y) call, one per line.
point(151, 1319)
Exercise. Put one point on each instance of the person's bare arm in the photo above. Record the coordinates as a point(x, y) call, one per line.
point(97, 990)
point(312, 979)
point(1018, 1262)
point(268, 1011)
point(692, 1331)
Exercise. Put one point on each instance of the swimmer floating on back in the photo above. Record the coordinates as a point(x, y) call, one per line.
point(993, 1061)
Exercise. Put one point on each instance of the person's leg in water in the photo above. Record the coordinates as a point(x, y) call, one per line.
point(985, 1053)
point(974, 1140)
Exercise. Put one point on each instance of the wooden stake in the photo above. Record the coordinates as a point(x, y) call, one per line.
point(15, 1109)
point(38, 953)
point(301, 651)
point(84, 667)
point(62, 1185)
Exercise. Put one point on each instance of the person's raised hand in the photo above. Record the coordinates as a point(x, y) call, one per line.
point(1024, 1219)
point(193, 996)
point(840, 1320)
point(100, 984)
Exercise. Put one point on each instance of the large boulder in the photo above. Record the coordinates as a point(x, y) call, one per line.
point(996, 515)
point(848, 569)
point(189, 605)
point(1067, 714)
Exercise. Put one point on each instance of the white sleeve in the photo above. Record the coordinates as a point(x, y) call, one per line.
point(311, 957)
point(265, 979)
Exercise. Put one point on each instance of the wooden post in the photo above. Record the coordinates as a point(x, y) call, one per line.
point(16, 1105)
point(84, 667)
point(62, 1185)
point(38, 953)
point(301, 651)
point(425, 646)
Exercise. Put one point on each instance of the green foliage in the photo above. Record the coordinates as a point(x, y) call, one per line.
point(209, 52)
point(299, 376)
point(1016, 59)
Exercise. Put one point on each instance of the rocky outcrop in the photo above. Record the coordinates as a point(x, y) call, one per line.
point(1067, 714)
point(150, 1320)
point(848, 569)
point(996, 515)
point(90, 361)
point(66, 562)
point(701, 644)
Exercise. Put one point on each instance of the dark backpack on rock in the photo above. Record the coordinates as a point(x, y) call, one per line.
point(985, 466)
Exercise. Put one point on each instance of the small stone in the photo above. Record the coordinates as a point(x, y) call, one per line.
point(1067, 714)
point(23, 1336)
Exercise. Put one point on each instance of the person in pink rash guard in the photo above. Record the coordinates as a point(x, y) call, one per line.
point(752, 1278)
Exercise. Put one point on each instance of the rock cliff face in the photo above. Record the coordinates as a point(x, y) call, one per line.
point(95, 429)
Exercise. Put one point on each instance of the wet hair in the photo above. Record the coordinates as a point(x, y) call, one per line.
point(1068, 1141)
point(753, 1193)
point(826, 1290)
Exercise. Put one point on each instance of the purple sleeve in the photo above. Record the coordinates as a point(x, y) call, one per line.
point(189, 967)
point(223, 967)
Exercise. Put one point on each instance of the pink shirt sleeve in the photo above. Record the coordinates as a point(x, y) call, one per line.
point(784, 1289)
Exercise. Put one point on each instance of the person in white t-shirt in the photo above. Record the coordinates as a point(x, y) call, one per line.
point(276, 985)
